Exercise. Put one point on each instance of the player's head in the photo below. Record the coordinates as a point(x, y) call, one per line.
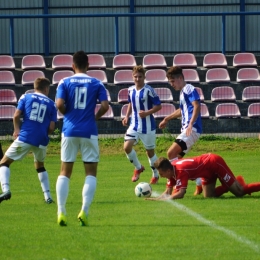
point(175, 77)
point(80, 61)
point(42, 85)
point(138, 75)
point(164, 167)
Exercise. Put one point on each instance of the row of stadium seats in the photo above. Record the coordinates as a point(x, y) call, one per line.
point(124, 61)
point(153, 76)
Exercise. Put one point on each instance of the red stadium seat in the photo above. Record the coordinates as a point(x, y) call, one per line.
point(124, 61)
point(6, 62)
point(62, 61)
point(191, 75)
point(248, 74)
point(253, 110)
point(61, 74)
point(185, 60)
point(167, 109)
point(108, 115)
point(124, 110)
point(214, 60)
point(123, 77)
point(244, 60)
point(33, 62)
point(98, 74)
point(122, 96)
point(251, 93)
point(155, 76)
point(164, 94)
point(7, 97)
point(204, 110)
point(200, 92)
point(154, 61)
point(7, 112)
point(224, 93)
point(7, 78)
point(227, 110)
point(96, 61)
point(217, 75)
point(30, 76)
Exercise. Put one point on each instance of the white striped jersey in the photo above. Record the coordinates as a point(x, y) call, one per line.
point(143, 99)
point(187, 95)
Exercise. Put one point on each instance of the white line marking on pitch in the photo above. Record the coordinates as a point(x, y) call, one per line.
point(209, 223)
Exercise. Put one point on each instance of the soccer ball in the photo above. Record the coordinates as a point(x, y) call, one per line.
point(143, 189)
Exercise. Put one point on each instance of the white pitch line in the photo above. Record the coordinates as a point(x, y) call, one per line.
point(211, 224)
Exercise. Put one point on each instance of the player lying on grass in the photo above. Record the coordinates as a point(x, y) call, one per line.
point(209, 167)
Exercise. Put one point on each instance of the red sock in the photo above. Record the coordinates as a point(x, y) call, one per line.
point(252, 187)
point(220, 190)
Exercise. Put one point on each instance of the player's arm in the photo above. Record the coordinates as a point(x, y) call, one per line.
point(175, 114)
point(128, 113)
point(103, 109)
point(178, 194)
point(51, 127)
point(195, 114)
point(153, 110)
point(60, 104)
point(17, 122)
point(165, 195)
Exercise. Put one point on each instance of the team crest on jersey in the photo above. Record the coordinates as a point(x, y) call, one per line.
point(178, 183)
point(227, 177)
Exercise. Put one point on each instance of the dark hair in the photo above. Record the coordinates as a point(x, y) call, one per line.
point(41, 83)
point(174, 72)
point(80, 60)
point(163, 163)
point(139, 69)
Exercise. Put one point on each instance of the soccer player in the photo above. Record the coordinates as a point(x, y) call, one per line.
point(76, 99)
point(209, 167)
point(189, 111)
point(39, 116)
point(143, 102)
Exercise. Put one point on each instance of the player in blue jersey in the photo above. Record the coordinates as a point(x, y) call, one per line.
point(76, 99)
point(143, 102)
point(189, 111)
point(39, 116)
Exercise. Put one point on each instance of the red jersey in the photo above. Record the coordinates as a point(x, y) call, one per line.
point(209, 167)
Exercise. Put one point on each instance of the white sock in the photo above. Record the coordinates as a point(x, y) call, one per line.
point(132, 157)
point(88, 192)
point(62, 190)
point(151, 162)
point(44, 180)
point(5, 178)
point(198, 182)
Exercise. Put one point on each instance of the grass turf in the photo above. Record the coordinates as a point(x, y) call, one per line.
point(123, 226)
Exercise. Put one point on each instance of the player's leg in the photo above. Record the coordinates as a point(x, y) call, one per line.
point(248, 188)
point(209, 187)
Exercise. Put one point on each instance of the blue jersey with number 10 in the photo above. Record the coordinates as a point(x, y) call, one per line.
point(80, 93)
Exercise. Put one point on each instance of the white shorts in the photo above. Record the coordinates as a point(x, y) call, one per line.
point(147, 139)
point(19, 149)
point(189, 140)
point(88, 148)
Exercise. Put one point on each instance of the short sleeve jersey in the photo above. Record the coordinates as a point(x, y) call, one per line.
point(80, 93)
point(38, 111)
point(187, 95)
point(143, 99)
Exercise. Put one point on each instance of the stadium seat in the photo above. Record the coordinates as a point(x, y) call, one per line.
point(214, 60)
point(164, 94)
point(33, 62)
point(204, 110)
point(200, 92)
point(7, 97)
point(253, 110)
point(60, 74)
point(154, 61)
point(167, 109)
point(108, 115)
point(6, 62)
point(155, 76)
point(244, 60)
point(185, 60)
point(251, 93)
point(62, 61)
point(98, 74)
point(217, 75)
point(7, 78)
point(96, 61)
point(122, 96)
point(29, 76)
point(123, 77)
point(7, 112)
point(124, 110)
point(248, 74)
point(124, 61)
point(108, 96)
point(227, 110)
point(191, 75)
point(224, 93)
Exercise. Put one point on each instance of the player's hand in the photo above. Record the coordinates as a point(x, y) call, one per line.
point(162, 124)
point(188, 130)
point(124, 121)
point(142, 114)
